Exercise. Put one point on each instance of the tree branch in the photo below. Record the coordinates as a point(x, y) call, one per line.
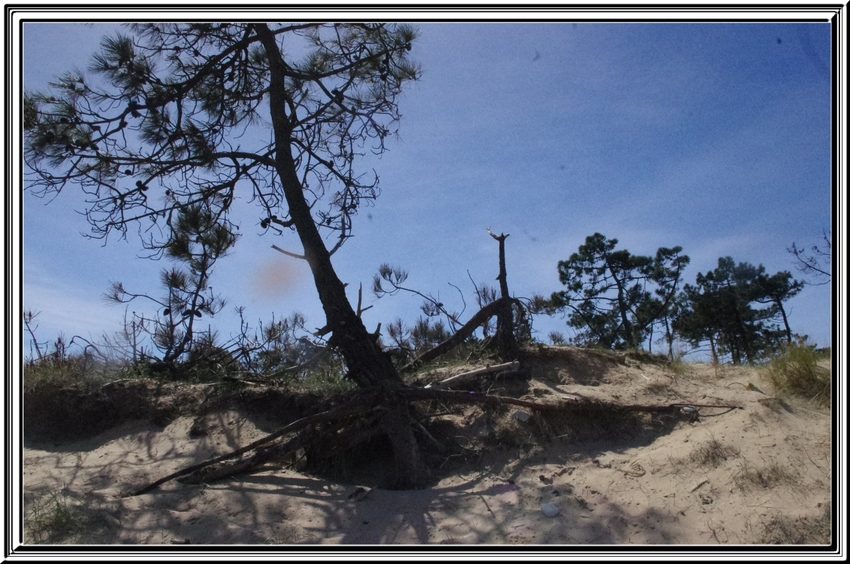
point(289, 254)
point(461, 334)
point(349, 408)
point(457, 378)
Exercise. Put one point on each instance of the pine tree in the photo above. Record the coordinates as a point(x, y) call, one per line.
point(720, 309)
point(179, 115)
point(608, 291)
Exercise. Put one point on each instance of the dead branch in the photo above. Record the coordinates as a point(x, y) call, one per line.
point(508, 348)
point(227, 469)
point(349, 408)
point(457, 378)
point(323, 352)
point(361, 309)
point(582, 405)
point(288, 253)
point(461, 334)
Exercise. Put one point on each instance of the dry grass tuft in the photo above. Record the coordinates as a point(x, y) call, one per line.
point(287, 534)
point(802, 530)
point(713, 453)
point(658, 388)
point(767, 477)
point(50, 519)
point(796, 372)
point(680, 367)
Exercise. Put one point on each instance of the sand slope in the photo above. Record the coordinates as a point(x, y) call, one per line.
point(723, 477)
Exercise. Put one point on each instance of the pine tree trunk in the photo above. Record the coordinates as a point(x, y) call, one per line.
point(366, 363)
point(410, 470)
point(785, 321)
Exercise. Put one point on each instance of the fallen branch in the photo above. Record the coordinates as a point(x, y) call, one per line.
point(457, 378)
point(224, 470)
point(580, 405)
point(461, 334)
point(349, 408)
point(414, 394)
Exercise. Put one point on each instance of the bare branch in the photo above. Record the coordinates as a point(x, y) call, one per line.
point(350, 407)
point(289, 254)
point(458, 378)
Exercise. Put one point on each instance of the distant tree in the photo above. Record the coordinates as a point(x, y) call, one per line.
point(195, 114)
point(281, 346)
point(816, 260)
point(701, 317)
point(719, 309)
point(661, 308)
point(609, 293)
point(557, 338)
point(776, 290)
point(389, 282)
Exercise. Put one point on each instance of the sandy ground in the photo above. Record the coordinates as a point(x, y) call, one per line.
point(722, 477)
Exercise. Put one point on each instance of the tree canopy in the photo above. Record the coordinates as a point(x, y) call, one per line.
point(614, 297)
point(182, 115)
point(178, 114)
point(720, 309)
point(616, 300)
point(816, 260)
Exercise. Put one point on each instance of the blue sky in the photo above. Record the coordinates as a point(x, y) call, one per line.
point(715, 137)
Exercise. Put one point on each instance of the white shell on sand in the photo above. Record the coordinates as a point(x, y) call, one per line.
point(549, 510)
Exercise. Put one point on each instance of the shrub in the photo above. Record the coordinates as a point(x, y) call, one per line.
point(679, 366)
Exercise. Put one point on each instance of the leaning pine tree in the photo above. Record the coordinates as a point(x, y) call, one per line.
point(178, 115)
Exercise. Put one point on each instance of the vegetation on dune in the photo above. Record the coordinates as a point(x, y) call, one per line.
point(797, 371)
point(782, 529)
point(50, 518)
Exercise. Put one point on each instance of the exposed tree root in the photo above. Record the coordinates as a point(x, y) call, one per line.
point(354, 406)
point(229, 468)
point(369, 402)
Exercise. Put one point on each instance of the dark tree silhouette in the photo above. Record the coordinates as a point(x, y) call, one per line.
point(776, 290)
point(608, 291)
point(505, 331)
point(719, 309)
point(196, 245)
